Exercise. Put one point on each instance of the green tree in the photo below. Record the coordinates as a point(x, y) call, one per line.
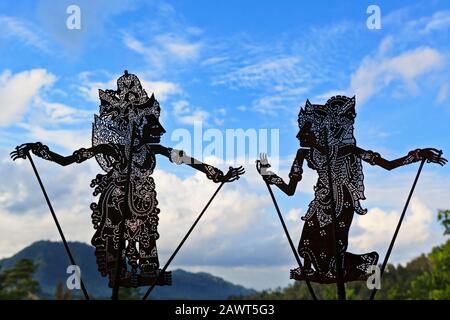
point(435, 283)
point(129, 294)
point(17, 282)
point(444, 218)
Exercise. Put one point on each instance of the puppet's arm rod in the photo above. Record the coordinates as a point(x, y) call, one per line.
point(182, 241)
point(58, 226)
point(286, 232)
point(394, 237)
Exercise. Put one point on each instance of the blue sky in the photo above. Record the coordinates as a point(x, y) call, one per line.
point(230, 64)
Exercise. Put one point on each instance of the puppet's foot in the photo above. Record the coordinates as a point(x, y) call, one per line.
point(302, 273)
point(148, 278)
point(362, 271)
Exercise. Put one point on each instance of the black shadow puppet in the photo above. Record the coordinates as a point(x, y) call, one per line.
point(125, 218)
point(329, 147)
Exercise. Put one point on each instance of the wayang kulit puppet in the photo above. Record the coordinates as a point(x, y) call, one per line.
point(328, 146)
point(125, 142)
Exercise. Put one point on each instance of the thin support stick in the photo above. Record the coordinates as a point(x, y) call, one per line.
point(58, 226)
point(311, 290)
point(399, 224)
point(181, 243)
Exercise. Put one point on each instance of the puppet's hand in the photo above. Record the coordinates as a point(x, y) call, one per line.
point(432, 155)
point(232, 174)
point(22, 150)
point(269, 177)
point(262, 165)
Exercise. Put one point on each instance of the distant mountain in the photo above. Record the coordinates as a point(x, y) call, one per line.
point(52, 263)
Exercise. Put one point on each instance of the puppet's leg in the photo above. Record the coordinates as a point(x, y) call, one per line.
point(309, 248)
point(355, 265)
point(317, 245)
point(105, 220)
point(148, 257)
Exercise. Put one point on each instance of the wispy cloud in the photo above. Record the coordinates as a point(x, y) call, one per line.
point(443, 93)
point(186, 114)
point(14, 28)
point(280, 74)
point(59, 114)
point(379, 71)
point(276, 72)
point(178, 47)
point(439, 20)
point(163, 49)
point(17, 92)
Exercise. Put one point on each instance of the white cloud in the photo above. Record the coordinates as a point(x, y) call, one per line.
point(438, 21)
point(186, 114)
point(154, 57)
point(379, 71)
point(294, 215)
point(164, 49)
point(377, 227)
point(68, 139)
point(282, 80)
point(14, 28)
point(24, 215)
point(89, 88)
point(273, 72)
point(162, 89)
point(22, 230)
point(214, 60)
point(17, 92)
point(63, 114)
point(179, 48)
point(182, 199)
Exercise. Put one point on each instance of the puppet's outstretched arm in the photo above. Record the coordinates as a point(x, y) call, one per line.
point(213, 173)
point(295, 174)
point(44, 152)
point(374, 158)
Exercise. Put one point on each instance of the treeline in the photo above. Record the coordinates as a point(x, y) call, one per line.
point(17, 283)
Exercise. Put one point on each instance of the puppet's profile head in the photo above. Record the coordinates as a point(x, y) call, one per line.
point(336, 118)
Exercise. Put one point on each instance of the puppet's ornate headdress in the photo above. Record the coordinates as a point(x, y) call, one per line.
point(336, 115)
point(119, 110)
